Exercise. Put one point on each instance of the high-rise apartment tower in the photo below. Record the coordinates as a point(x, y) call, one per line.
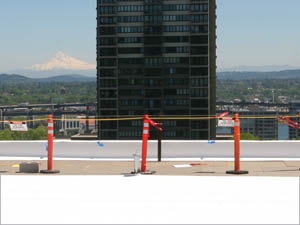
point(156, 57)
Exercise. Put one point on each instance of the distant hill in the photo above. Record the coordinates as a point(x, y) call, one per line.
point(67, 78)
point(15, 78)
point(284, 74)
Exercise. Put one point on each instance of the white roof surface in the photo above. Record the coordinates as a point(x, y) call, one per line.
point(149, 199)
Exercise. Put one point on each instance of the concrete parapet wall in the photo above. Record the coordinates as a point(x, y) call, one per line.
point(170, 149)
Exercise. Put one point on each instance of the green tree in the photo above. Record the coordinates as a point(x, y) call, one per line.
point(6, 134)
point(248, 136)
point(40, 133)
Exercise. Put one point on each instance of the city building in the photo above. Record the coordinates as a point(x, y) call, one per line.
point(261, 119)
point(156, 57)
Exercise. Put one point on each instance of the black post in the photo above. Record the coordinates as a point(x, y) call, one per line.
point(87, 120)
point(159, 145)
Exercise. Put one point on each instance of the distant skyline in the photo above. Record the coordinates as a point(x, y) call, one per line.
point(249, 32)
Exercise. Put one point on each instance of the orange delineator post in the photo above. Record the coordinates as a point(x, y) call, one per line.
point(50, 142)
point(50, 147)
point(237, 136)
point(146, 134)
point(146, 130)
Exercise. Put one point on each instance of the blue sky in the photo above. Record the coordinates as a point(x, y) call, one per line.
point(250, 32)
point(258, 32)
point(32, 31)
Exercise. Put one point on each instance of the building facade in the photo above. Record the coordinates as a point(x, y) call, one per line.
point(156, 57)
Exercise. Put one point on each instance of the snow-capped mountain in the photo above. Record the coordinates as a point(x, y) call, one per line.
point(60, 64)
point(65, 62)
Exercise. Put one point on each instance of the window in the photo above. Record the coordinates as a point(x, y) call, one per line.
point(153, 72)
point(200, 18)
point(107, 1)
point(130, 92)
point(200, 71)
point(172, 39)
point(130, 19)
point(107, 41)
point(172, 70)
point(170, 123)
point(107, 10)
point(108, 20)
point(182, 91)
point(108, 112)
point(108, 104)
point(176, 50)
point(152, 40)
point(201, 61)
point(176, 81)
point(199, 50)
point(108, 52)
point(153, 30)
point(130, 50)
point(196, 103)
point(126, 61)
point(131, 8)
point(151, 51)
point(202, 29)
point(171, 18)
point(203, 39)
point(131, 102)
point(108, 124)
point(199, 92)
point(176, 28)
point(176, 102)
point(153, 62)
point(131, 81)
point(152, 8)
point(175, 60)
point(152, 82)
point(199, 82)
point(107, 62)
point(176, 7)
point(107, 72)
point(130, 39)
point(153, 93)
point(153, 19)
point(133, 29)
point(201, 112)
point(108, 93)
point(124, 71)
point(107, 31)
point(199, 8)
point(170, 91)
point(107, 83)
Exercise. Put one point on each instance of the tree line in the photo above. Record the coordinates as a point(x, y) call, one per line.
point(54, 92)
point(265, 90)
point(39, 133)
